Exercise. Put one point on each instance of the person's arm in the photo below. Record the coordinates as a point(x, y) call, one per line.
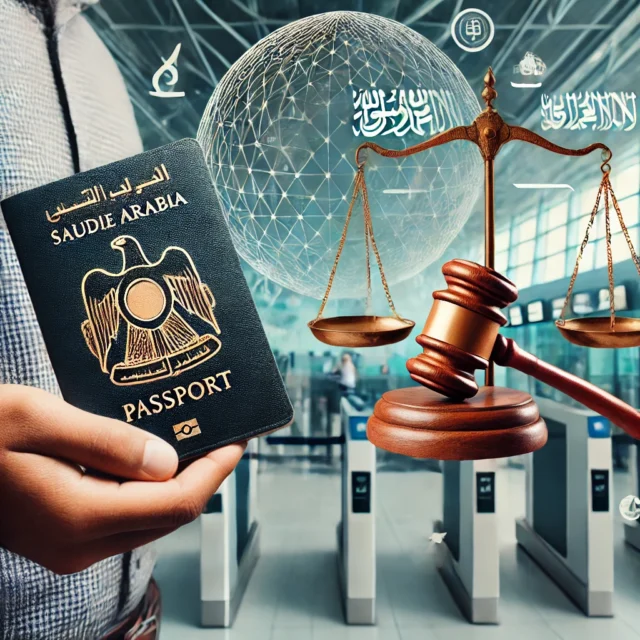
point(66, 519)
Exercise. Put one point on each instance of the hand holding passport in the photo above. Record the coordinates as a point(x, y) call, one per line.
point(142, 302)
point(66, 519)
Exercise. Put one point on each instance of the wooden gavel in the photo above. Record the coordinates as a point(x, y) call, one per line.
point(461, 335)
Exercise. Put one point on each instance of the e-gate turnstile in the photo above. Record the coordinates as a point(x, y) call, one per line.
point(357, 530)
point(632, 529)
point(229, 543)
point(568, 528)
point(468, 558)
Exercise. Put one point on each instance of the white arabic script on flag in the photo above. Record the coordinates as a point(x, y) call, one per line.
point(600, 111)
point(421, 111)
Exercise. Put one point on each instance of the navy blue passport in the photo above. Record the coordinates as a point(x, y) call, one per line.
point(142, 302)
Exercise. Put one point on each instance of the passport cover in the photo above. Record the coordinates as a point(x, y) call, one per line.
point(142, 302)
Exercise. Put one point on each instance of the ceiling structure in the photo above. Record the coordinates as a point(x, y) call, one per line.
point(587, 45)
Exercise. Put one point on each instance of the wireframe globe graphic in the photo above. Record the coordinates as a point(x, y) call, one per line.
point(280, 134)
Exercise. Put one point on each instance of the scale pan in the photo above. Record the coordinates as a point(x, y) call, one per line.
point(361, 331)
point(596, 332)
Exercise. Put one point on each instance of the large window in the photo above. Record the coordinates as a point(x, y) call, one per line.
point(542, 244)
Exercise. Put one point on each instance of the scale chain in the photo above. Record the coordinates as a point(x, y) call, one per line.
point(343, 238)
point(366, 248)
point(360, 188)
point(369, 224)
point(585, 241)
point(625, 231)
point(609, 199)
point(612, 310)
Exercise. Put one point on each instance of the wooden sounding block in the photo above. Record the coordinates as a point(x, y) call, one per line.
point(420, 423)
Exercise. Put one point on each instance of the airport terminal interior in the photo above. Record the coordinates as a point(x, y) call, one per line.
point(319, 534)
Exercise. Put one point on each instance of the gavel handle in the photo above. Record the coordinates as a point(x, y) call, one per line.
point(507, 353)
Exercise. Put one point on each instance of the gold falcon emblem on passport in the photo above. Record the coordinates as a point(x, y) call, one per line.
point(151, 320)
point(186, 429)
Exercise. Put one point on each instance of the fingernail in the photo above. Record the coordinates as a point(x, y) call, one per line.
point(159, 460)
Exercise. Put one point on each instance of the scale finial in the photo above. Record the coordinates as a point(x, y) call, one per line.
point(489, 94)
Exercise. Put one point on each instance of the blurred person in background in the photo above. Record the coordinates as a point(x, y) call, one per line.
point(348, 374)
point(328, 363)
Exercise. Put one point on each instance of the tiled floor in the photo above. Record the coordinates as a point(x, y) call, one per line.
point(293, 594)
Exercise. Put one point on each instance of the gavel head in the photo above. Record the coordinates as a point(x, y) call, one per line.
point(461, 329)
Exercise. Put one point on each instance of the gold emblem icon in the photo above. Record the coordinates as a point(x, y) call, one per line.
point(151, 320)
point(187, 429)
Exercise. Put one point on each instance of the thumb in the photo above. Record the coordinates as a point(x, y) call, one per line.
point(44, 424)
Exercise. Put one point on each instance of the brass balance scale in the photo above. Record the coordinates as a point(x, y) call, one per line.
point(449, 417)
point(489, 132)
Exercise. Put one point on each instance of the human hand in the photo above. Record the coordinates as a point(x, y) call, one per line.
point(66, 519)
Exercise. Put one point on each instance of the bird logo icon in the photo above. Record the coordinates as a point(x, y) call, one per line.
point(151, 320)
point(630, 508)
point(437, 536)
